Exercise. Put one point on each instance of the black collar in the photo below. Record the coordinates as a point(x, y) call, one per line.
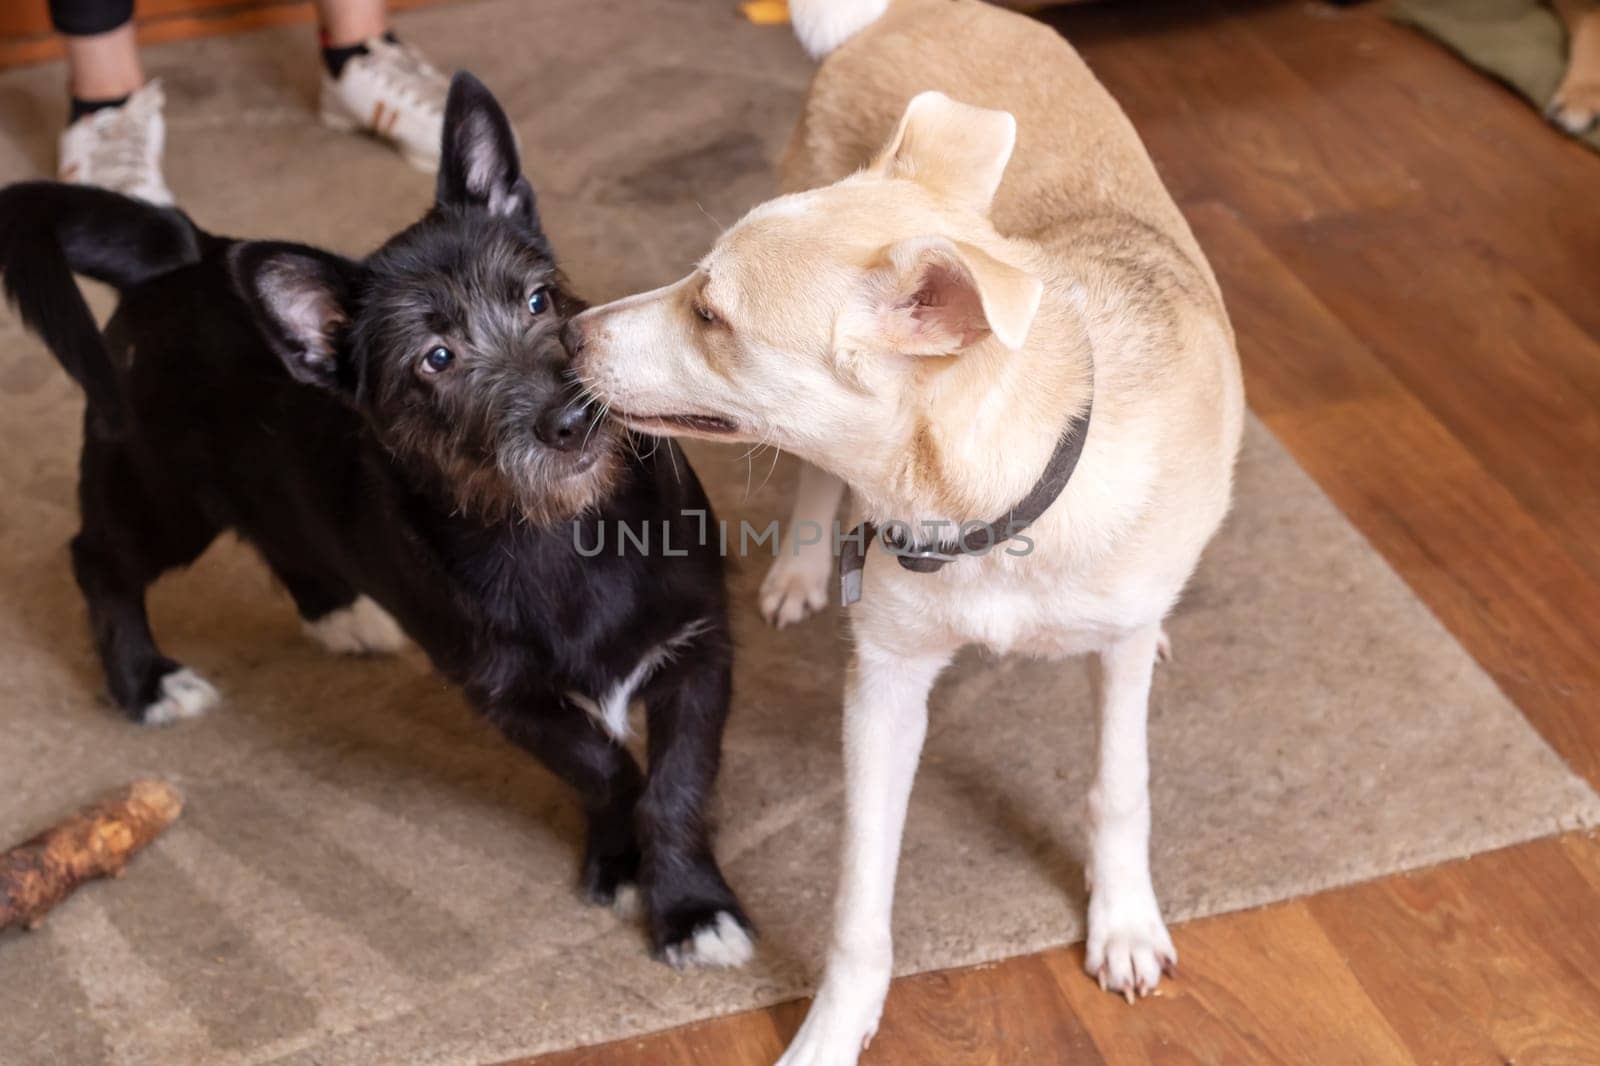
point(924, 558)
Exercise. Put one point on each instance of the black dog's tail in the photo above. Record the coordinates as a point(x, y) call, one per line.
point(50, 231)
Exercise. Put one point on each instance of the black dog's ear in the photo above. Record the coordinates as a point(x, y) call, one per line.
point(478, 165)
point(302, 299)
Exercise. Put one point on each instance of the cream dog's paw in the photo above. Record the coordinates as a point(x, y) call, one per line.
point(795, 587)
point(1129, 947)
point(842, 1020)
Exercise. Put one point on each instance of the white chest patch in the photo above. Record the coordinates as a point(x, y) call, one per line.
point(610, 708)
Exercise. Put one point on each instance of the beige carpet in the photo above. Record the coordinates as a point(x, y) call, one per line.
point(368, 875)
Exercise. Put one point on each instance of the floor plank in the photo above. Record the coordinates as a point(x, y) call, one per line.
point(966, 1018)
point(1265, 142)
point(753, 1036)
point(1489, 173)
point(1487, 963)
point(1515, 380)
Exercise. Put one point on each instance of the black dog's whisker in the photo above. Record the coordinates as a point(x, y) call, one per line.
point(672, 454)
point(600, 417)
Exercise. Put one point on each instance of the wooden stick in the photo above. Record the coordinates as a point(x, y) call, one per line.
point(97, 841)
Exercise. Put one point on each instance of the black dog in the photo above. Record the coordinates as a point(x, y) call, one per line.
point(400, 440)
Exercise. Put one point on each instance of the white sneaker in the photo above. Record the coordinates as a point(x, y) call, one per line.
point(394, 93)
point(119, 148)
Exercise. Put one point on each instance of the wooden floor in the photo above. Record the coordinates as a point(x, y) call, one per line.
point(1412, 260)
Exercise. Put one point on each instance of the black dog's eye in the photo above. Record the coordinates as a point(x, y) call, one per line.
point(438, 359)
point(539, 302)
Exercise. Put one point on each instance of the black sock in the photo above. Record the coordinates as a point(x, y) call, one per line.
point(81, 107)
point(335, 58)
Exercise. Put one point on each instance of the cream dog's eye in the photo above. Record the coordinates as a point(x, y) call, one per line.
point(704, 313)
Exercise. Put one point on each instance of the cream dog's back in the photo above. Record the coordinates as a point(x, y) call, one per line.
point(1080, 186)
point(1076, 152)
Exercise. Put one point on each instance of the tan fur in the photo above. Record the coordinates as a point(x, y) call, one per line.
point(951, 280)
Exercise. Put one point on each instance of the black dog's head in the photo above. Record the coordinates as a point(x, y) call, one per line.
point(448, 337)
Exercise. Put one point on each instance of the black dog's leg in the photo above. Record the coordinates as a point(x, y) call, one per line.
point(131, 536)
point(694, 916)
point(335, 616)
point(315, 595)
point(606, 778)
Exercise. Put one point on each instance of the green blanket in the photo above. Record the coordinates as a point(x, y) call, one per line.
point(1521, 42)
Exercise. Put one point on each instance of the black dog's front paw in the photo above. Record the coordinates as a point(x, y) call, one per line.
point(703, 934)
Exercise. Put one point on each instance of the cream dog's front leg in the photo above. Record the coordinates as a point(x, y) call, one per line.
point(885, 719)
point(1128, 946)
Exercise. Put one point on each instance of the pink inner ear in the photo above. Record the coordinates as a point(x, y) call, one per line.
point(306, 310)
point(947, 308)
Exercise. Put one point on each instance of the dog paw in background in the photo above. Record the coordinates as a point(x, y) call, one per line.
point(796, 586)
point(363, 628)
point(1575, 107)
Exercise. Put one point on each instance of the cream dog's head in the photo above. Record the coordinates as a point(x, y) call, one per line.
point(820, 319)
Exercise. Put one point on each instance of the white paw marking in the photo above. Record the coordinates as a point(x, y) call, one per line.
point(796, 586)
point(184, 694)
point(626, 904)
point(363, 628)
point(1128, 947)
point(1574, 120)
point(1576, 106)
point(722, 942)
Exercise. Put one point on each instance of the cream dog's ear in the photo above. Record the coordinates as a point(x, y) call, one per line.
point(936, 296)
point(955, 150)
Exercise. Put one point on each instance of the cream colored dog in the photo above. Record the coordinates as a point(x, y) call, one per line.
point(927, 333)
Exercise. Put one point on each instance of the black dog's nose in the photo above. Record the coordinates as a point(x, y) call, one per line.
point(565, 426)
